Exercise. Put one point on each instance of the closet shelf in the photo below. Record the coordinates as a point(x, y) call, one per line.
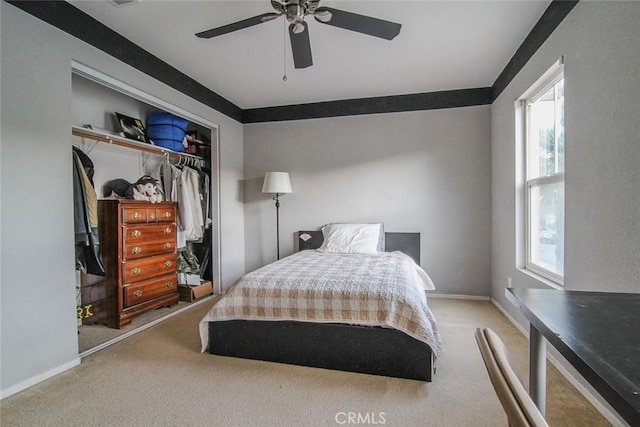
point(129, 143)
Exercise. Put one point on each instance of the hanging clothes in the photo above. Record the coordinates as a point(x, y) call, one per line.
point(85, 209)
point(202, 250)
point(167, 176)
point(190, 206)
point(184, 185)
point(205, 191)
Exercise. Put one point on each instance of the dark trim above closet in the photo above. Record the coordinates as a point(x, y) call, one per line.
point(77, 23)
point(72, 20)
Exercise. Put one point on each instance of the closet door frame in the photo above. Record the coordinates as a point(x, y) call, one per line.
point(123, 88)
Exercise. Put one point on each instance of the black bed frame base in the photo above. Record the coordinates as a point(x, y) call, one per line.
point(351, 348)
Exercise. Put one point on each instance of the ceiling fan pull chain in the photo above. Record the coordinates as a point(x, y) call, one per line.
point(284, 52)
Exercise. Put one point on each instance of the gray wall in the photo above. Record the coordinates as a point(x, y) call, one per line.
point(39, 333)
point(599, 41)
point(449, 174)
point(421, 171)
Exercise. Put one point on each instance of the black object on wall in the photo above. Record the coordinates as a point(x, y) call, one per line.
point(550, 19)
point(377, 105)
point(72, 20)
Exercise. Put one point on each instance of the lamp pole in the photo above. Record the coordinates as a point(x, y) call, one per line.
point(277, 224)
point(277, 183)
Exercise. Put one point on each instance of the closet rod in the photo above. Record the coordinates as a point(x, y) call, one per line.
point(124, 142)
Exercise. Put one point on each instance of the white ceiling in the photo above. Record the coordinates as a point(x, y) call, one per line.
point(443, 45)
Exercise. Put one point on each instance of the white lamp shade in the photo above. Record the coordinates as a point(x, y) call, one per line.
point(276, 182)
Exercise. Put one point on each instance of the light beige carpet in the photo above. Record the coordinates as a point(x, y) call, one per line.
point(90, 336)
point(159, 378)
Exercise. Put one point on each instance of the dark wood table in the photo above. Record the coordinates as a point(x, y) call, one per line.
point(597, 332)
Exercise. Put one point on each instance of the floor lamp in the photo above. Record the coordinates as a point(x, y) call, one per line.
point(277, 183)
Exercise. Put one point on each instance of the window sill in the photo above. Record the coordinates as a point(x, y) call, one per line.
point(541, 279)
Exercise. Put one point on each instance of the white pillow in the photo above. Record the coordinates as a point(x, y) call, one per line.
point(351, 238)
point(381, 240)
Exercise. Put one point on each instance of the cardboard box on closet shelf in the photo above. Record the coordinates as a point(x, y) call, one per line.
point(190, 293)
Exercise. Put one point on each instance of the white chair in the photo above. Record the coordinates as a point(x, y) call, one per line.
point(516, 402)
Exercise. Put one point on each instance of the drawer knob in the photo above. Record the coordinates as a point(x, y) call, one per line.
point(167, 214)
point(136, 250)
point(169, 284)
point(138, 293)
point(167, 230)
point(135, 271)
point(167, 245)
point(136, 233)
point(136, 215)
point(152, 215)
point(168, 263)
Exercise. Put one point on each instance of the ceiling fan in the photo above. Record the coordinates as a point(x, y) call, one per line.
point(296, 10)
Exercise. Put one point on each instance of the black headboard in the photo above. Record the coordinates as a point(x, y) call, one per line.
point(408, 243)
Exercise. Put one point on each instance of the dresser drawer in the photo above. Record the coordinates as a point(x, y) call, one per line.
point(146, 268)
point(145, 233)
point(134, 250)
point(141, 214)
point(167, 214)
point(137, 214)
point(139, 292)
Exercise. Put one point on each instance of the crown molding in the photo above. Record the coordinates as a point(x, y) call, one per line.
point(78, 24)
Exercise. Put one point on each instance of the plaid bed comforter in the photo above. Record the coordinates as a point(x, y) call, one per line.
point(387, 289)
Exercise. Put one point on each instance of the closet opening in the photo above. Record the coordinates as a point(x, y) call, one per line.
point(190, 256)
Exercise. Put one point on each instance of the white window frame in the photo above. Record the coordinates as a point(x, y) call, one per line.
point(546, 82)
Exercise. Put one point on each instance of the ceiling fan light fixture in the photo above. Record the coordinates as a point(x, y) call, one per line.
point(279, 7)
point(297, 28)
point(311, 6)
point(323, 16)
point(295, 13)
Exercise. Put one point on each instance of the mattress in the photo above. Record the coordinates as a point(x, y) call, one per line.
point(384, 289)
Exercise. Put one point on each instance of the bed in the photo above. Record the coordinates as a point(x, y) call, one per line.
point(296, 311)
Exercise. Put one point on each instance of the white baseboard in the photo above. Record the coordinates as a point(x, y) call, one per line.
point(456, 296)
point(518, 326)
point(38, 378)
point(589, 394)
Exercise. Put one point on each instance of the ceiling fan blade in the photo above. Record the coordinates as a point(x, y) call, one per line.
point(359, 23)
point(245, 23)
point(300, 45)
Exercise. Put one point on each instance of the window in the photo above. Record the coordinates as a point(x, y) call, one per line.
point(544, 177)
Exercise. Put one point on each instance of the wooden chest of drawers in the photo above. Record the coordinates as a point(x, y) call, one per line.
point(138, 244)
